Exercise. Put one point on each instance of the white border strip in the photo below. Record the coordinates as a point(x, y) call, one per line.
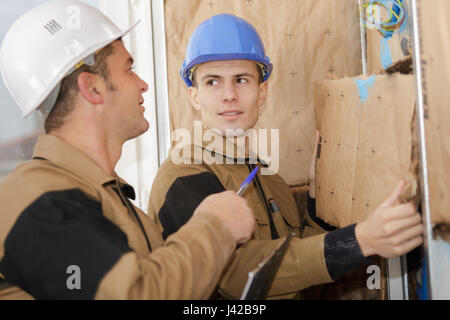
point(161, 84)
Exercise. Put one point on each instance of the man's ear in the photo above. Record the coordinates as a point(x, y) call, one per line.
point(193, 95)
point(263, 89)
point(91, 87)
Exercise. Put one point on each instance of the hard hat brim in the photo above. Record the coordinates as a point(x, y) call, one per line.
point(223, 57)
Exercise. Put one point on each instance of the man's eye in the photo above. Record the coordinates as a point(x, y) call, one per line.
point(212, 82)
point(242, 80)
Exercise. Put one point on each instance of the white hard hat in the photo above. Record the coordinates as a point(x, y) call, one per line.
point(45, 44)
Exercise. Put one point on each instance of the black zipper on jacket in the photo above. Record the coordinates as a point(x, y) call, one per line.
point(273, 231)
point(130, 207)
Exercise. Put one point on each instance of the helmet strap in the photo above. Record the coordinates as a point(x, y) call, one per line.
point(47, 105)
point(191, 72)
point(263, 69)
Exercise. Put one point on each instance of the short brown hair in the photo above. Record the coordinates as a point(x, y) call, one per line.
point(69, 88)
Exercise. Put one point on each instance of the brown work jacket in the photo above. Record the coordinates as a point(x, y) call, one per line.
point(62, 217)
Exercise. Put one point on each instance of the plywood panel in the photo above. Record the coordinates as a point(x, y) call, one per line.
point(366, 145)
point(434, 22)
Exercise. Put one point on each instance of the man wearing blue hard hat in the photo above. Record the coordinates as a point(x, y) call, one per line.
point(226, 70)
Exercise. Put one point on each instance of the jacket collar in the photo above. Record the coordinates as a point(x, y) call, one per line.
point(53, 149)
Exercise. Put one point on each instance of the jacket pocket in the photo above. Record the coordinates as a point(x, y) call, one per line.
point(286, 221)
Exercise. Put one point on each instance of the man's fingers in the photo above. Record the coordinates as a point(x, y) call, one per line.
point(402, 224)
point(399, 212)
point(407, 234)
point(393, 197)
point(410, 245)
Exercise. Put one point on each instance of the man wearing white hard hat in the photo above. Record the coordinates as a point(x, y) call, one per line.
point(68, 229)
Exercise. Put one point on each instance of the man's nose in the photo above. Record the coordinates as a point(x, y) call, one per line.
point(143, 85)
point(230, 93)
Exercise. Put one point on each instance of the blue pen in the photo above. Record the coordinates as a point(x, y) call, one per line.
point(247, 181)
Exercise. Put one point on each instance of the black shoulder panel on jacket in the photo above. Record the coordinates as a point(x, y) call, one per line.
point(60, 230)
point(183, 197)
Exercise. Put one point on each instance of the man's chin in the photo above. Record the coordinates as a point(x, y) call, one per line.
point(145, 127)
point(228, 131)
point(140, 130)
point(234, 132)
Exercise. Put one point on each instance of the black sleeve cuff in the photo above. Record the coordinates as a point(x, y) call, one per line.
point(342, 252)
point(311, 205)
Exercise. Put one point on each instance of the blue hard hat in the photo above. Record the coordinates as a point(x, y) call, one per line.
point(224, 37)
